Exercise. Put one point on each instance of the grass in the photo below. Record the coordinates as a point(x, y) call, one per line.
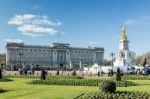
point(19, 89)
point(145, 86)
point(142, 82)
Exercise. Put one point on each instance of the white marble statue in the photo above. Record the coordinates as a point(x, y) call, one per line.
point(124, 57)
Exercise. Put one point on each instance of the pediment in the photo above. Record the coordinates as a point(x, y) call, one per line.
point(61, 46)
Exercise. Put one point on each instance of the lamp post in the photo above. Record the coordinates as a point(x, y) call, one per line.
point(80, 64)
point(112, 54)
point(20, 55)
point(70, 64)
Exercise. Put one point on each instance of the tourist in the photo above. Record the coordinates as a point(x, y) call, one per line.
point(25, 71)
point(108, 72)
point(33, 71)
point(111, 72)
point(20, 71)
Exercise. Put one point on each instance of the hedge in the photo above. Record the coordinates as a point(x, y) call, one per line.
point(2, 90)
point(117, 95)
point(5, 80)
point(47, 77)
point(135, 77)
point(80, 82)
point(107, 86)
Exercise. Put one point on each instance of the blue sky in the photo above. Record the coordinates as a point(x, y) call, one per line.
point(81, 23)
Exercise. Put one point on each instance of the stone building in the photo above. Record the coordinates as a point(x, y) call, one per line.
point(55, 55)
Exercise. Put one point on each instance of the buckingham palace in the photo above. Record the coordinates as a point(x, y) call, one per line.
point(54, 55)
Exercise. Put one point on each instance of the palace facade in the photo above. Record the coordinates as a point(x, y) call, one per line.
point(55, 55)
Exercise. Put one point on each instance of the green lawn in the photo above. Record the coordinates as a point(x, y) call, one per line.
point(20, 90)
point(144, 87)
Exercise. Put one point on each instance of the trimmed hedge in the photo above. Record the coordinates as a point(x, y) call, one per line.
point(47, 77)
point(117, 95)
point(1, 76)
point(80, 82)
point(5, 80)
point(69, 82)
point(23, 76)
point(107, 86)
point(64, 77)
point(118, 75)
point(126, 83)
point(43, 75)
point(135, 77)
point(2, 90)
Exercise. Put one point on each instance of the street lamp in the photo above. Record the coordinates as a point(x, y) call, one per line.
point(112, 54)
point(20, 55)
point(70, 64)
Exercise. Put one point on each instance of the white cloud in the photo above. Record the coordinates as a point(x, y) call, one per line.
point(132, 22)
point(136, 21)
point(21, 19)
point(35, 30)
point(13, 40)
point(34, 25)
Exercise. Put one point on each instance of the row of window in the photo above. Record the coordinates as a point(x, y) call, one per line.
point(37, 50)
point(31, 59)
point(82, 52)
point(47, 50)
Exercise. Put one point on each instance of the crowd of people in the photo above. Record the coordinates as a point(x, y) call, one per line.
point(25, 71)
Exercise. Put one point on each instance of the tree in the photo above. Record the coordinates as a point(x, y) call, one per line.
point(43, 75)
point(144, 58)
point(107, 62)
point(74, 73)
point(2, 60)
point(98, 73)
point(1, 74)
point(145, 62)
point(118, 75)
point(57, 73)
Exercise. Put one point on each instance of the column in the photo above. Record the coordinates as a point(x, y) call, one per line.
point(54, 58)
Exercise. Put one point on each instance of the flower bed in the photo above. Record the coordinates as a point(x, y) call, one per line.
point(80, 82)
point(117, 95)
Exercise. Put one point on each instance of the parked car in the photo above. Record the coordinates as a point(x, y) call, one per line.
point(146, 71)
